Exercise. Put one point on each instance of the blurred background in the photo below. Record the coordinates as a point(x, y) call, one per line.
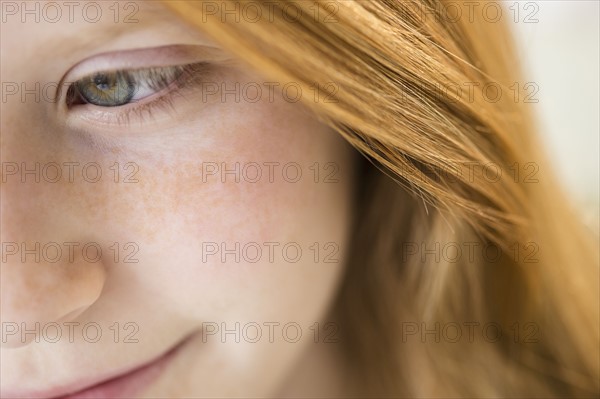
point(559, 47)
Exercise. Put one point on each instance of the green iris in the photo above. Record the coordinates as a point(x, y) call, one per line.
point(107, 89)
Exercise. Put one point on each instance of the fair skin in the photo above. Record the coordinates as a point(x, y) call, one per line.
point(167, 218)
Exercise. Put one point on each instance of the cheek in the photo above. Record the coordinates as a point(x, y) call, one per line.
point(240, 216)
point(250, 227)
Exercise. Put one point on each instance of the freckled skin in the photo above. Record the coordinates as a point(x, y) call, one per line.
point(162, 220)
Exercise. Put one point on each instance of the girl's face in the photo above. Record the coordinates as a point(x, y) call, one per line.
point(176, 231)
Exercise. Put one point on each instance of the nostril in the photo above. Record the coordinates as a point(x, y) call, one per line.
point(33, 295)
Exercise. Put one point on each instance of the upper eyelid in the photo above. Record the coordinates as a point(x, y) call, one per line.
point(140, 74)
point(154, 57)
point(134, 59)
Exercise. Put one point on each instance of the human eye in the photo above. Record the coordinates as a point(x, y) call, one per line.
point(116, 96)
point(121, 87)
point(140, 92)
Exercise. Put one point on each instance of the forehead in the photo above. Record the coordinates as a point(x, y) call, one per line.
point(56, 35)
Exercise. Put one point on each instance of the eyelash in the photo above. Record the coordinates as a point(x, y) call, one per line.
point(187, 76)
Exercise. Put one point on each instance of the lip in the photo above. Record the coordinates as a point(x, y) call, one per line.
point(125, 384)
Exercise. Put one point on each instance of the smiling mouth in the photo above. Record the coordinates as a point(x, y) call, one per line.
point(125, 385)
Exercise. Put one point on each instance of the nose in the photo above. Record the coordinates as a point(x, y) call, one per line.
point(45, 276)
point(38, 216)
point(35, 294)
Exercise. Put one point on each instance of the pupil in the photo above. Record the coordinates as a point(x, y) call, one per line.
point(102, 82)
